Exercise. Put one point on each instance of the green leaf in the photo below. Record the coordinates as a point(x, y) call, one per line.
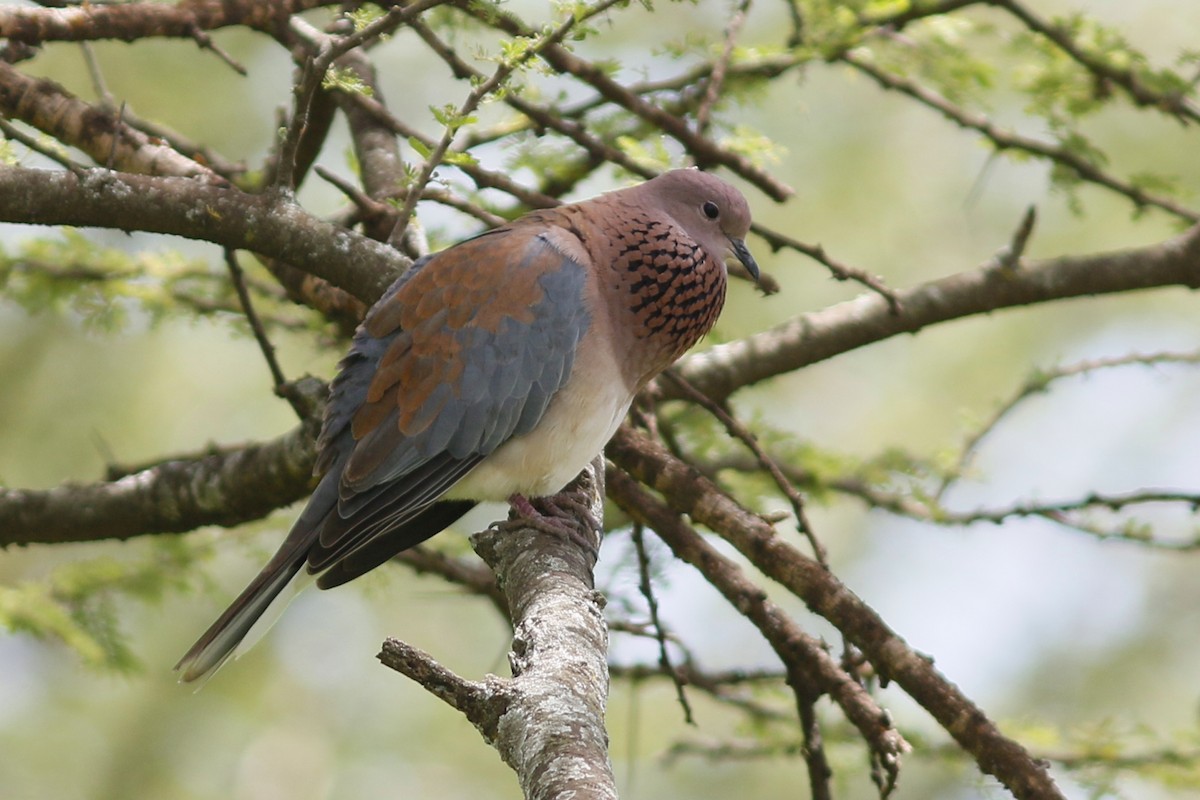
point(420, 147)
point(77, 604)
point(346, 80)
point(364, 15)
point(458, 158)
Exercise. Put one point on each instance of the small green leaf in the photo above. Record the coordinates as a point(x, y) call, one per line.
point(345, 80)
point(420, 147)
point(459, 158)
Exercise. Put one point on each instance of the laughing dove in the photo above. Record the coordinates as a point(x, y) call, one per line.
point(496, 370)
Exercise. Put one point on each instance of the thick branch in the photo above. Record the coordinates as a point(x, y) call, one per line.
point(547, 721)
point(375, 145)
point(552, 733)
point(267, 224)
point(810, 338)
point(224, 487)
point(100, 133)
point(131, 21)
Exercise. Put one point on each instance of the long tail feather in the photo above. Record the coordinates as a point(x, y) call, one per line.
point(223, 636)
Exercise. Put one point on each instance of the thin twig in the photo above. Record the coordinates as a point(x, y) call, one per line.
point(1059, 512)
point(841, 271)
point(450, 200)
point(99, 86)
point(1003, 139)
point(819, 771)
point(1038, 383)
point(297, 401)
point(1174, 103)
point(483, 178)
point(647, 590)
point(688, 492)
point(716, 78)
point(367, 206)
point(928, 508)
point(703, 150)
point(469, 573)
point(178, 142)
point(542, 117)
point(746, 702)
point(205, 42)
point(799, 651)
point(1009, 256)
point(311, 76)
point(740, 432)
point(896, 18)
point(478, 93)
point(15, 134)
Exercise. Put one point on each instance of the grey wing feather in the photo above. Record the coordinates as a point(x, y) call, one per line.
point(509, 378)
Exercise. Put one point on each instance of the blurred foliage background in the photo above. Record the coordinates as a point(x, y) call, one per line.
point(1075, 645)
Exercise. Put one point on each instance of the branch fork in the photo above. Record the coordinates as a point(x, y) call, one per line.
point(547, 720)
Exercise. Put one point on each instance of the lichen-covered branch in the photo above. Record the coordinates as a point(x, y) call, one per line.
point(225, 487)
point(547, 721)
point(269, 224)
point(129, 22)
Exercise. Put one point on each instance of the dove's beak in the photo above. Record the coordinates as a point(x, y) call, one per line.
point(738, 246)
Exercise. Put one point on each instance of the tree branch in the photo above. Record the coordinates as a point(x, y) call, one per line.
point(375, 145)
point(689, 492)
point(482, 703)
point(1003, 139)
point(809, 338)
point(1175, 104)
point(547, 721)
point(706, 152)
point(482, 178)
point(264, 224)
point(553, 734)
point(128, 22)
point(811, 669)
point(223, 487)
point(100, 133)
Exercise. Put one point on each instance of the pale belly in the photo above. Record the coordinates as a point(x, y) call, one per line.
point(578, 422)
